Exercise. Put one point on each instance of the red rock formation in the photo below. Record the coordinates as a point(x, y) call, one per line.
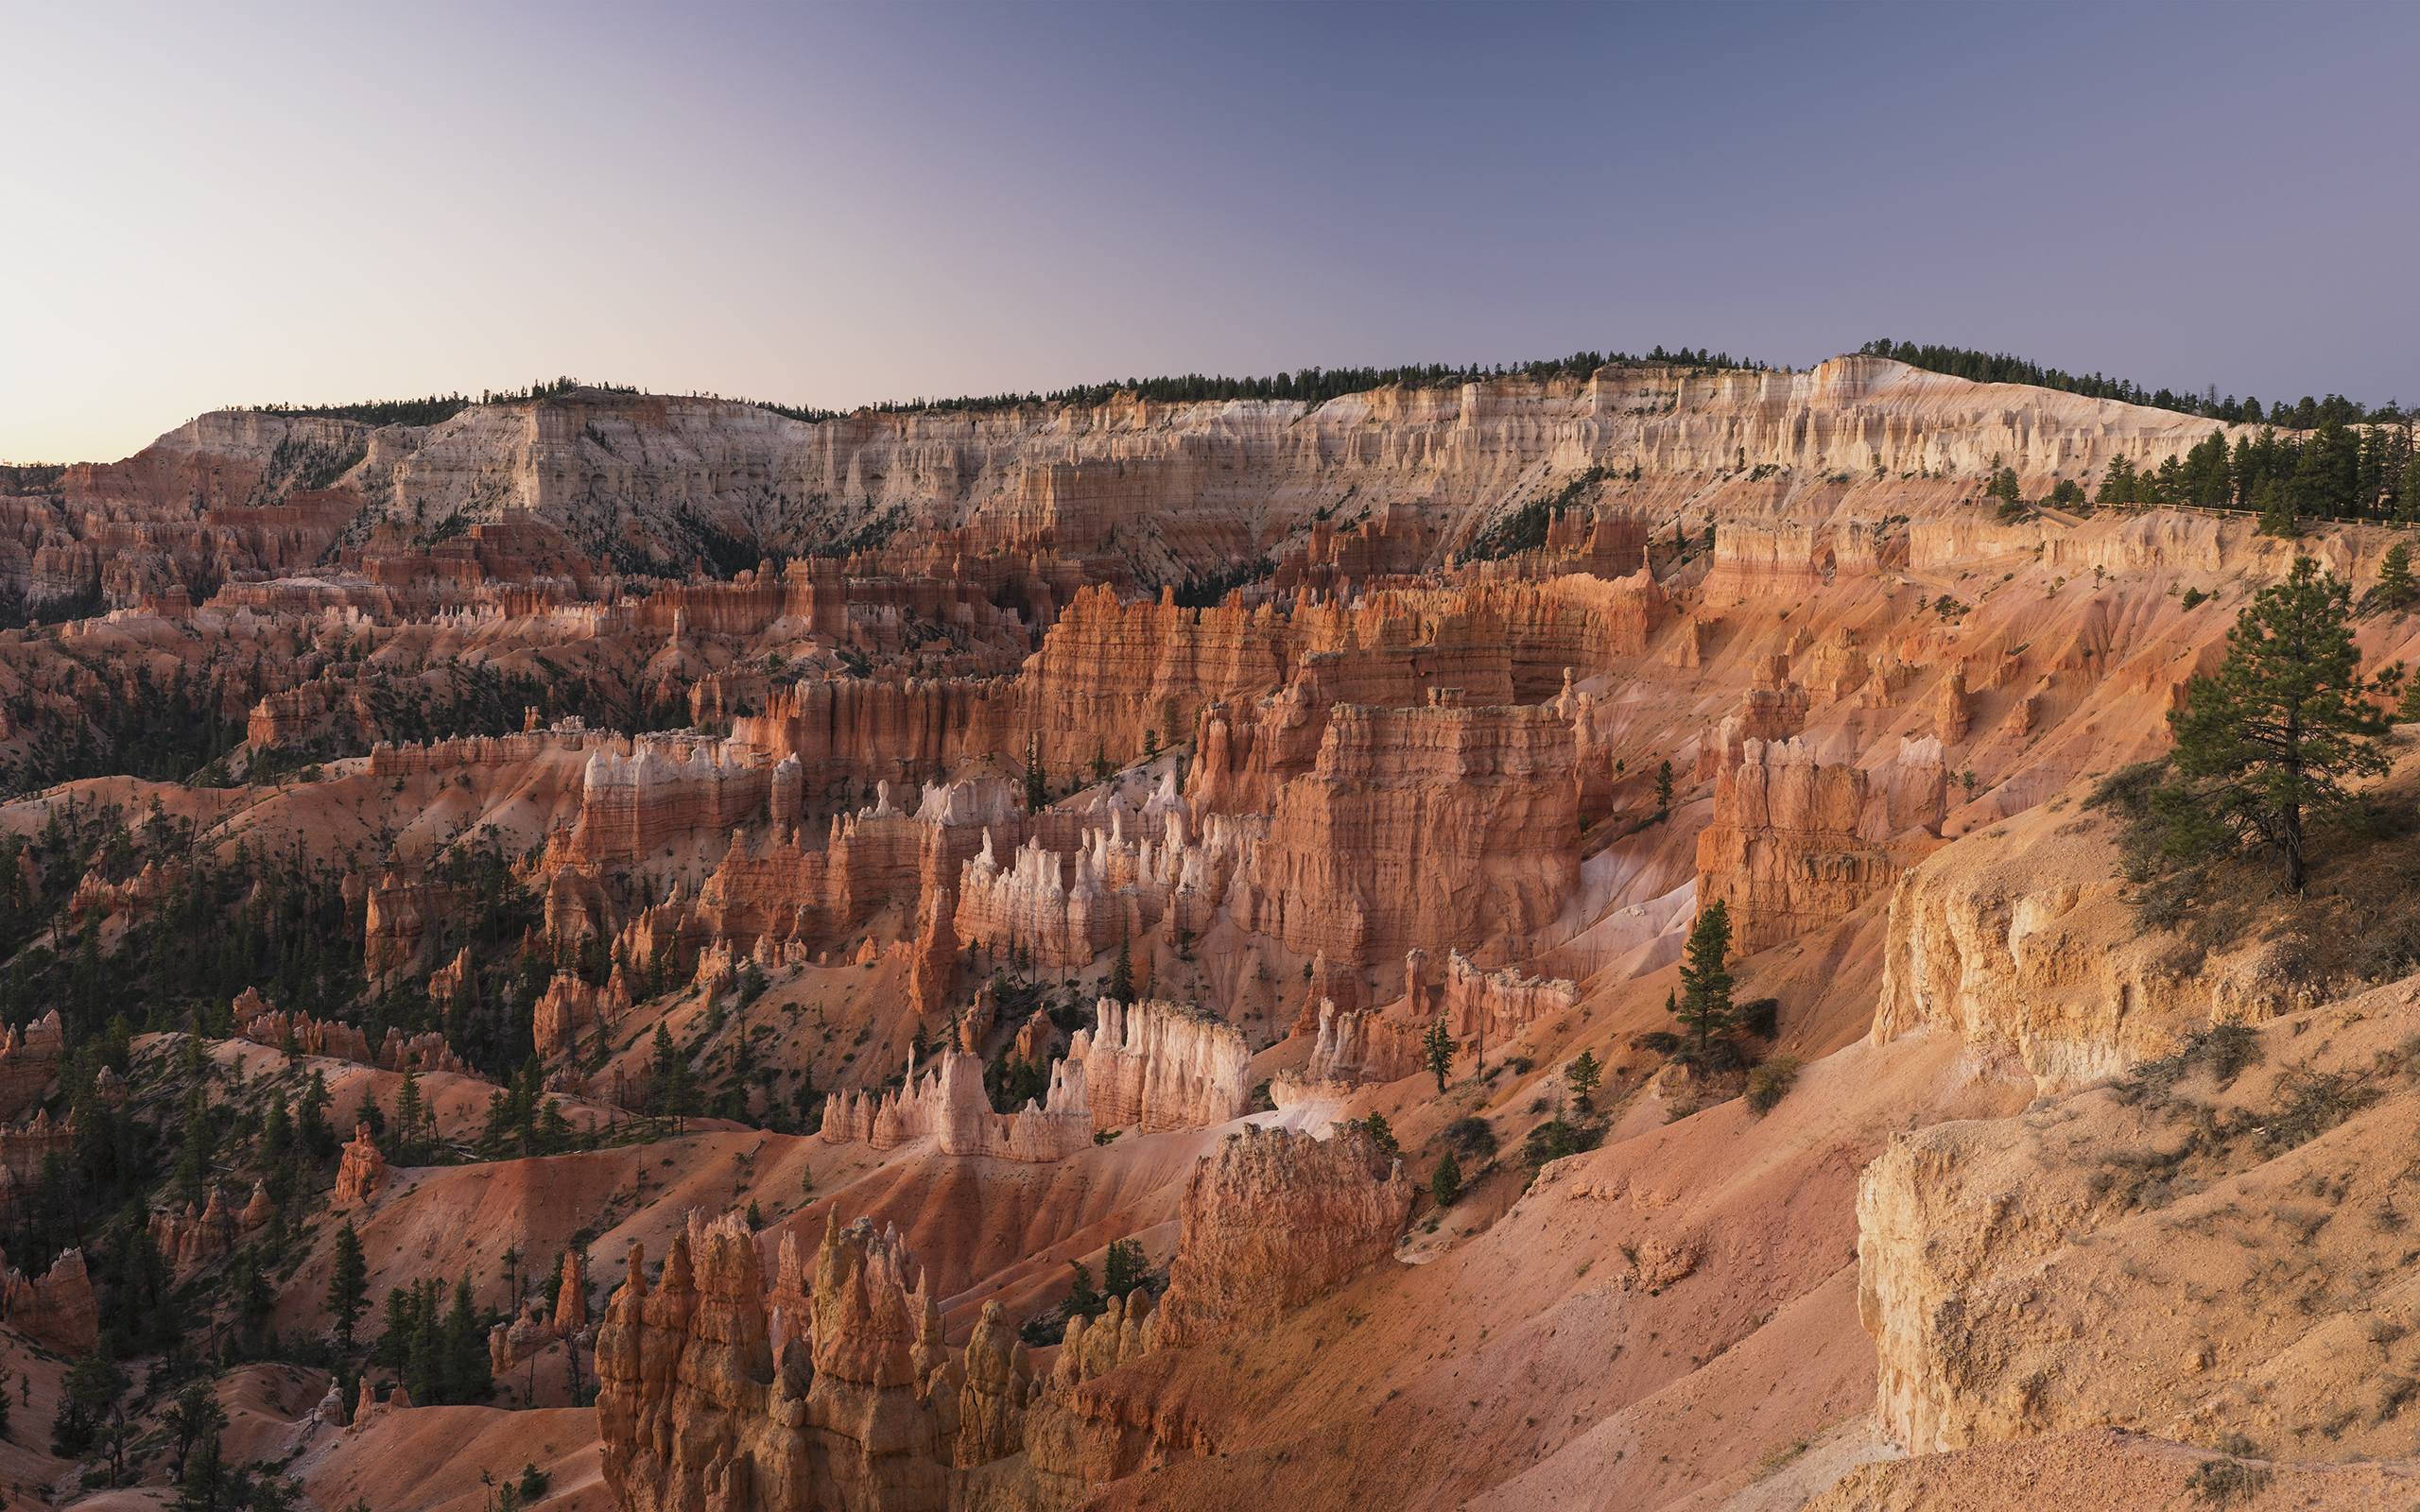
point(29, 1063)
point(998, 1381)
point(1159, 1066)
point(1364, 1044)
point(570, 1007)
point(23, 1152)
point(397, 918)
point(535, 1330)
point(361, 1171)
point(950, 1107)
point(1796, 841)
point(190, 1238)
point(1421, 826)
point(711, 1401)
point(571, 1296)
point(56, 1309)
point(1140, 870)
point(666, 788)
point(1489, 1007)
point(301, 1034)
point(1275, 1220)
point(932, 975)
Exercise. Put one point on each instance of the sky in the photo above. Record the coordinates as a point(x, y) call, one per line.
point(831, 205)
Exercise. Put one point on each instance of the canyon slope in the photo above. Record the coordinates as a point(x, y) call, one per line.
point(644, 952)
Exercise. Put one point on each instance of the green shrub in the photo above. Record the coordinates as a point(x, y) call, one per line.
point(1770, 1082)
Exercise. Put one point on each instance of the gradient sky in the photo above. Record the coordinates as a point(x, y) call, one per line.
point(224, 204)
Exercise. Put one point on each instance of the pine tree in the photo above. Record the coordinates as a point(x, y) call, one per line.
point(1124, 1268)
point(671, 1084)
point(2276, 509)
point(1121, 972)
point(2394, 591)
point(348, 1286)
point(196, 1419)
point(92, 1387)
point(1705, 1009)
point(1081, 1299)
point(1445, 1184)
point(1582, 1075)
point(1437, 1051)
point(468, 1378)
point(409, 1112)
point(1663, 791)
point(312, 1129)
point(2266, 742)
point(424, 1348)
point(277, 1133)
point(1037, 785)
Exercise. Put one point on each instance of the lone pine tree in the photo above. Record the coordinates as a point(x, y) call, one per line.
point(2267, 743)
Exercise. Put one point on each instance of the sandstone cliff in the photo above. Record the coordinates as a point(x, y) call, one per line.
point(1273, 1220)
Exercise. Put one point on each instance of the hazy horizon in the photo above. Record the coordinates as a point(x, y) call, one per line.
point(844, 205)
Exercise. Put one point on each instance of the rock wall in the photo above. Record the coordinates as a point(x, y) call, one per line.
point(632, 807)
point(56, 1309)
point(1157, 1066)
point(29, 1060)
point(1422, 826)
point(1491, 1007)
point(1364, 1045)
point(950, 1107)
point(2025, 944)
point(2211, 1248)
point(302, 1035)
point(1275, 1220)
point(1797, 841)
point(361, 1170)
point(715, 1396)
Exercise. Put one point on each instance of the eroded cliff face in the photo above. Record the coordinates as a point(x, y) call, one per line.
point(2210, 1247)
point(921, 802)
point(831, 1386)
point(1159, 1066)
point(652, 479)
point(1441, 823)
point(1273, 1220)
point(1797, 841)
point(2023, 941)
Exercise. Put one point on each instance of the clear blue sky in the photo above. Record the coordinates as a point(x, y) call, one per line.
point(221, 204)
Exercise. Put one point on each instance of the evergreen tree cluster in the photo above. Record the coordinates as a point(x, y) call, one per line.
point(163, 732)
point(439, 1347)
point(436, 409)
point(2337, 472)
point(1314, 386)
point(2002, 368)
point(271, 921)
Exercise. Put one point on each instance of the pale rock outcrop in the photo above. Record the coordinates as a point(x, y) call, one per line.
point(301, 1034)
point(1158, 1066)
point(2024, 942)
point(1488, 1008)
point(29, 1060)
point(1364, 1045)
point(1441, 823)
point(710, 1401)
point(667, 787)
point(949, 1105)
point(570, 1007)
point(24, 1150)
point(998, 1382)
